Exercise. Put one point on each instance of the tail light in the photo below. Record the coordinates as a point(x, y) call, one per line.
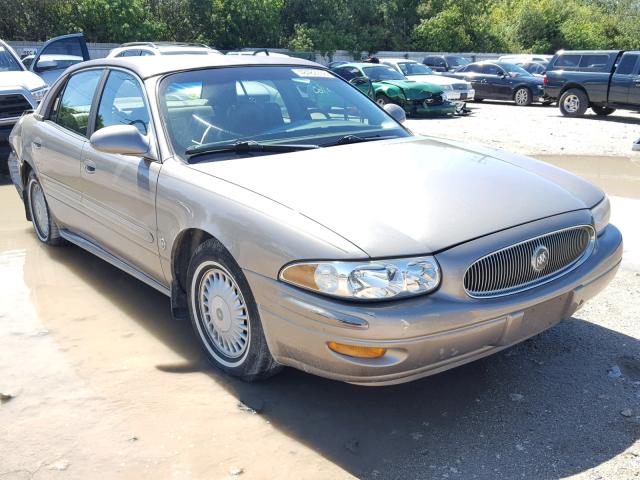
point(545, 81)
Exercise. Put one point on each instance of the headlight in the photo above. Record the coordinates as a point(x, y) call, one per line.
point(601, 214)
point(39, 93)
point(445, 96)
point(366, 280)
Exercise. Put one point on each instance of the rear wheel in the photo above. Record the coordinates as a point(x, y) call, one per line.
point(522, 97)
point(602, 111)
point(44, 225)
point(573, 103)
point(225, 316)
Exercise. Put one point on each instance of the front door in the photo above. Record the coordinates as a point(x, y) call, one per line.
point(58, 54)
point(625, 83)
point(58, 143)
point(119, 190)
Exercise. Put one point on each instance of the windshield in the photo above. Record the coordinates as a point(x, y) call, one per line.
point(275, 105)
point(379, 72)
point(8, 63)
point(413, 68)
point(457, 61)
point(515, 70)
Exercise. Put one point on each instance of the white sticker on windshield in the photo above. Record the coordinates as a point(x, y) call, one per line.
point(311, 72)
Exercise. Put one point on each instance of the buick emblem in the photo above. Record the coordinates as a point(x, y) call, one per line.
point(540, 258)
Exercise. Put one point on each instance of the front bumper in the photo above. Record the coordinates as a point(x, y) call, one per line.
point(420, 108)
point(5, 148)
point(424, 335)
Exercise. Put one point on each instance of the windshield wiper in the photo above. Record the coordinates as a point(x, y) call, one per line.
point(248, 146)
point(356, 139)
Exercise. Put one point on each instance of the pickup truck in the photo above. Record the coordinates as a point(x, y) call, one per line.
point(604, 80)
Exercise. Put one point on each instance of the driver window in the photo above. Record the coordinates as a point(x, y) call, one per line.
point(71, 110)
point(491, 69)
point(123, 103)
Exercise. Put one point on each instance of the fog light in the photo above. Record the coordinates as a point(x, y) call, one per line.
point(357, 351)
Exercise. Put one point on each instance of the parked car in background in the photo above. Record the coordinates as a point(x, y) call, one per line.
point(304, 226)
point(20, 91)
point(534, 68)
point(445, 63)
point(390, 86)
point(603, 80)
point(502, 81)
point(519, 59)
point(56, 55)
point(454, 88)
point(142, 49)
point(337, 63)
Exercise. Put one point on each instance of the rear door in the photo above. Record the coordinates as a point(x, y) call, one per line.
point(625, 82)
point(498, 83)
point(57, 54)
point(58, 142)
point(118, 191)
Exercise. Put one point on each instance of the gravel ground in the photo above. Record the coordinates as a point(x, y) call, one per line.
point(538, 129)
point(100, 382)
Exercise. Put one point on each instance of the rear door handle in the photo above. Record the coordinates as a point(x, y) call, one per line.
point(36, 145)
point(89, 166)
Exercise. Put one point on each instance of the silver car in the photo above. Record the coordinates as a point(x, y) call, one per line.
point(295, 222)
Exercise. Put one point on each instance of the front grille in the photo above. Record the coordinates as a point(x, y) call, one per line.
point(13, 105)
point(434, 100)
point(522, 266)
point(459, 86)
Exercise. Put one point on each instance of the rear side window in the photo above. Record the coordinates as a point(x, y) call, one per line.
point(627, 64)
point(491, 69)
point(123, 103)
point(570, 61)
point(75, 104)
point(594, 62)
point(473, 68)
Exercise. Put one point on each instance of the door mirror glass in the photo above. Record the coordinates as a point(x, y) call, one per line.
point(120, 139)
point(396, 111)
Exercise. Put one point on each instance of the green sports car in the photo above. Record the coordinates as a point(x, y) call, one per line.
point(390, 86)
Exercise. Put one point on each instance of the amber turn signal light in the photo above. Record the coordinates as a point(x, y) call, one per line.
point(357, 351)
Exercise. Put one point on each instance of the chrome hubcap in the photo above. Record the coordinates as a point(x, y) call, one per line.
point(224, 312)
point(522, 96)
point(571, 103)
point(39, 210)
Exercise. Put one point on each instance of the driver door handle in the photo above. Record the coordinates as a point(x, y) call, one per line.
point(89, 167)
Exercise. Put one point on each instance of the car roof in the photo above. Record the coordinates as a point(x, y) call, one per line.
point(362, 64)
point(398, 60)
point(152, 65)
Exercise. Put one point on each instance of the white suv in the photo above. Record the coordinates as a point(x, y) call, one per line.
point(20, 91)
point(140, 49)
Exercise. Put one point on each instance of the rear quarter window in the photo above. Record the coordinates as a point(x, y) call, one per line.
point(567, 61)
point(594, 62)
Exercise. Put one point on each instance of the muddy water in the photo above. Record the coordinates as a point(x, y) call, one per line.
point(107, 385)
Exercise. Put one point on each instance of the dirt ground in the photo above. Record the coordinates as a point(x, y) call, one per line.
point(101, 383)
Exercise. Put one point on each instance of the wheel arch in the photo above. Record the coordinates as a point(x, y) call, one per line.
point(25, 169)
point(570, 86)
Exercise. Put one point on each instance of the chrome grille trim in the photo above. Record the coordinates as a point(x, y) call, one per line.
point(510, 270)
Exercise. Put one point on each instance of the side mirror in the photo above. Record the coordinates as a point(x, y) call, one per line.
point(44, 65)
point(120, 139)
point(396, 111)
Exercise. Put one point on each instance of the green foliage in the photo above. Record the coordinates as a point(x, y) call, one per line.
point(328, 25)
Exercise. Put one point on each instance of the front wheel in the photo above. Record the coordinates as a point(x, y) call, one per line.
point(573, 103)
point(225, 316)
point(522, 97)
point(602, 111)
point(383, 100)
point(43, 224)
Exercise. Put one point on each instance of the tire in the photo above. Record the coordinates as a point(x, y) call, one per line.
point(573, 103)
point(382, 99)
point(522, 97)
point(602, 111)
point(43, 223)
point(232, 338)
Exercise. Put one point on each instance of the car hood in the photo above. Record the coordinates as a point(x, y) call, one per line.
point(411, 88)
point(410, 196)
point(22, 79)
